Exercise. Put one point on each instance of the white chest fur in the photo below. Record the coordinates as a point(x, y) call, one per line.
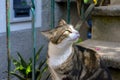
point(58, 54)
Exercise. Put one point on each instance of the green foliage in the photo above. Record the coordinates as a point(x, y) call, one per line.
point(23, 69)
point(86, 1)
point(78, 41)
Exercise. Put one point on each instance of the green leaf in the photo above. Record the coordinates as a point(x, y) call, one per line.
point(25, 68)
point(36, 56)
point(41, 69)
point(38, 53)
point(18, 76)
point(30, 61)
point(28, 70)
point(86, 1)
point(42, 72)
point(79, 40)
point(44, 69)
point(22, 72)
point(41, 64)
point(15, 62)
point(47, 77)
point(18, 66)
point(22, 60)
point(21, 67)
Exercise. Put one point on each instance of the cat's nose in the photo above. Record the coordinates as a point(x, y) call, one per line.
point(78, 34)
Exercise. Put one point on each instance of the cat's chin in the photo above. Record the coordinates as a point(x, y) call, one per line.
point(74, 39)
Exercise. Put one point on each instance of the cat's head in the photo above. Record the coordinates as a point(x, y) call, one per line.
point(64, 33)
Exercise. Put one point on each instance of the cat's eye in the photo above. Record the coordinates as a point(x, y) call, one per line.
point(69, 31)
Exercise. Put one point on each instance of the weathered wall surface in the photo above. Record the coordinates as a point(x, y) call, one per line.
point(106, 22)
point(115, 2)
point(104, 30)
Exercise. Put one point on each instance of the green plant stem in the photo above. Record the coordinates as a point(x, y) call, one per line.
point(52, 13)
point(8, 35)
point(34, 43)
point(86, 15)
point(33, 39)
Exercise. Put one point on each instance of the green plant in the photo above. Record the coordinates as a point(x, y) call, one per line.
point(23, 69)
point(79, 40)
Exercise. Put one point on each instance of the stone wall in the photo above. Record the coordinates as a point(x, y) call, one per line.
point(115, 2)
point(106, 23)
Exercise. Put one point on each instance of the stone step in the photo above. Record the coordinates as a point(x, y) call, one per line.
point(106, 23)
point(115, 73)
point(109, 51)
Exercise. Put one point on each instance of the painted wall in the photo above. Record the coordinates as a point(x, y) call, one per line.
point(2, 16)
point(18, 23)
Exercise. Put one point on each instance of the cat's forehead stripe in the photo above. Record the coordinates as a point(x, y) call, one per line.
point(71, 27)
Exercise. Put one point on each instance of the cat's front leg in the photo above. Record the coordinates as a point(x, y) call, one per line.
point(96, 74)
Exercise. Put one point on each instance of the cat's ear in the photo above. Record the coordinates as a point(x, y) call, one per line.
point(62, 22)
point(47, 34)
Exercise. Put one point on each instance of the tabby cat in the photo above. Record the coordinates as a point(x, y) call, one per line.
point(67, 61)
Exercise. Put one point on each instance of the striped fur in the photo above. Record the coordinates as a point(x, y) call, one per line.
point(72, 62)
